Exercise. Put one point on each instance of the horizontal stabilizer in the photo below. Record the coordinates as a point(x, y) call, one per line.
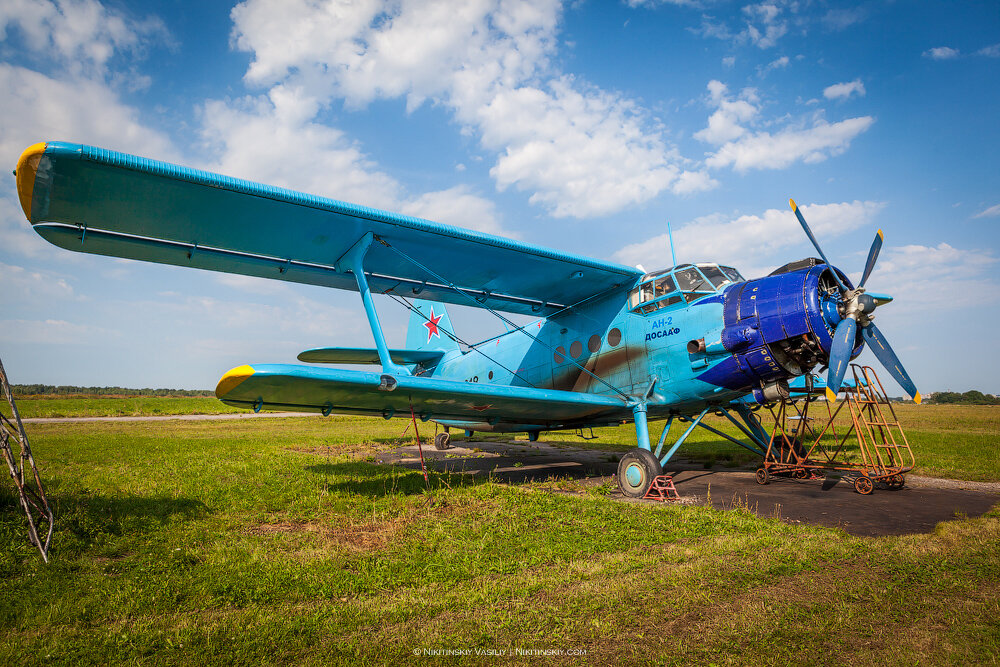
point(365, 355)
point(331, 390)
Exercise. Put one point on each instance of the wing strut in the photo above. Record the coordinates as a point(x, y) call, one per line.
point(354, 261)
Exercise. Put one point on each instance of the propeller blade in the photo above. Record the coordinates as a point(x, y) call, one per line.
point(805, 228)
point(880, 347)
point(872, 256)
point(840, 353)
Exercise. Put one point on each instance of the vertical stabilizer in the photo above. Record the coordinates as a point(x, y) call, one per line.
point(430, 327)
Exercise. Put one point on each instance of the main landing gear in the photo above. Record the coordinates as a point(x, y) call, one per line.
point(636, 472)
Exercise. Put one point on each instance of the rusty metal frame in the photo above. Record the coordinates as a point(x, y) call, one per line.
point(884, 452)
point(30, 490)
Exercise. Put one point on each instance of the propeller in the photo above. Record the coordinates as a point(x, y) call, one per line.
point(857, 307)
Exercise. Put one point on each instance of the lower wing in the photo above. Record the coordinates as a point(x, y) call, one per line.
point(328, 390)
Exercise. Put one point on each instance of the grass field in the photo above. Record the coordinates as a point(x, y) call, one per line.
point(132, 406)
point(955, 441)
point(227, 542)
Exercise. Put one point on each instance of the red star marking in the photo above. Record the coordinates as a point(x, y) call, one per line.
point(481, 408)
point(432, 325)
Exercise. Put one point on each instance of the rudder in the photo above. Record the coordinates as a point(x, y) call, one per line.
point(430, 327)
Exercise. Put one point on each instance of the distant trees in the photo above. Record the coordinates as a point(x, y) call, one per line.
point(68, 390)
point(972, 397)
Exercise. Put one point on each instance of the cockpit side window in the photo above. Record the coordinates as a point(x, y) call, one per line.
point(664, 286)
point(715, 275)
point(689, 279)
point(732, 273)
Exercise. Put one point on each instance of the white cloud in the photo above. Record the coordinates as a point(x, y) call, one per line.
point(761, 24)
point(743, 150)
point(22, 285)
point(580, 151)
point(941, 53)
point(784, 148)
point(926, 279)
point(749, 242)
point(726, 123)
point(839, 19)
point(80, 110)
point(53, 332)
point(456, 206)
point(82, 35)
point(323, 160)
point(992, 51)
point(337, 167)
point(779, 63)
point(991, 212)
point(843, 91)
point(580, 154)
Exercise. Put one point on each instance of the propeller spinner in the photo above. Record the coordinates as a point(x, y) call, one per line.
point(857, 307)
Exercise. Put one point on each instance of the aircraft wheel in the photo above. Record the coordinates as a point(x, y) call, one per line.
point(636, 471)
point(442, 441)
point(863, 485)
point(762, 476)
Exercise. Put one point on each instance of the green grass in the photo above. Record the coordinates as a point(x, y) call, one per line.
point(279, 541)
point(86, 406)
point(953, 441)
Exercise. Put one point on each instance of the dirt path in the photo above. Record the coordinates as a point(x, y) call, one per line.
point(916, 508)
point(157, 418)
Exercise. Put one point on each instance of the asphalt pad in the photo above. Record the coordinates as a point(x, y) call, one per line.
point(916, 508)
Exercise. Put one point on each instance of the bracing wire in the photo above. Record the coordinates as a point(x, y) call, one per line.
point(503, 319)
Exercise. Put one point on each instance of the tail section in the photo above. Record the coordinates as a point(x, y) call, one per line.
point(430, 328)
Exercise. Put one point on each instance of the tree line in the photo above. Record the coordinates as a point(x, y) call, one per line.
point(972, 397)
point(70, 390)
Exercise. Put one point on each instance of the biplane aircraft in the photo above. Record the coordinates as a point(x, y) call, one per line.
point(611, 344)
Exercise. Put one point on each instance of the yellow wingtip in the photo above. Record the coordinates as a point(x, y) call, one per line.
point(881, 236)
point(916, 398)
point(27, 167)
point(232, 379)
point(791, 203)
point(830, 396)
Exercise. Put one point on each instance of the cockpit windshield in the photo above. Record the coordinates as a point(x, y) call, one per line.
point(682, 284)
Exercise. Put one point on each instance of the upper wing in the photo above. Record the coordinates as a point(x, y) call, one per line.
point(309, 389)
point(98, 201)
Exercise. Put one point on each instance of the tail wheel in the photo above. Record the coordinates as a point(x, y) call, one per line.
point(864, 485)
point(636, 472)
point(442, 441)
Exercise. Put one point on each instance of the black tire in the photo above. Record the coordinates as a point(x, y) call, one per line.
point(442, 441)
point(762, 476)
point(864, 485)
point(636, 471)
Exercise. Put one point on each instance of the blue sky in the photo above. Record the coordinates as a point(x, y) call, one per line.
point(584, 127)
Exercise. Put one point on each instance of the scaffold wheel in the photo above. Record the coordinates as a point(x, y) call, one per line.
point(763, 476)
point(863, 485)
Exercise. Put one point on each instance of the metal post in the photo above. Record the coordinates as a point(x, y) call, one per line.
point(680, 441)
point(353, 261)
point(641, 427)
point(663, 436)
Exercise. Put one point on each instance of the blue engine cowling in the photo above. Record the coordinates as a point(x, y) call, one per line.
point(777, 327)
